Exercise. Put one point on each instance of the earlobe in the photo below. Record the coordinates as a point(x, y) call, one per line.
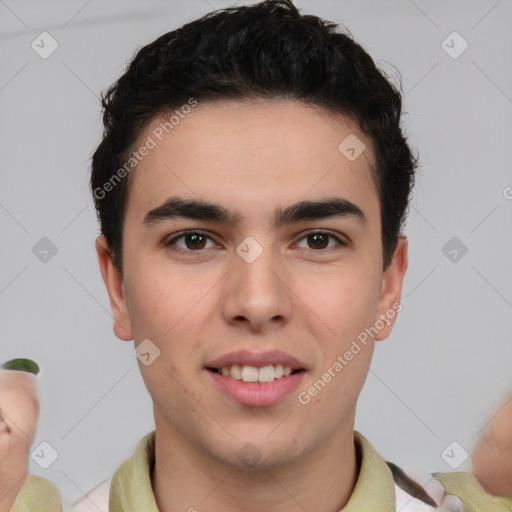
point(391, 289)
point(114, 284)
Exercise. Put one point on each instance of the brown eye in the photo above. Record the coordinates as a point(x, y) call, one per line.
point(319, 240)
point(196, 240)
point(193, 241)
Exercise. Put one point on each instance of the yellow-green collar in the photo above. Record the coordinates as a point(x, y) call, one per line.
point(131, 490)
point(375, 489)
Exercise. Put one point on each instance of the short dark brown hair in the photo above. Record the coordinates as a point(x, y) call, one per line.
point(266, 50)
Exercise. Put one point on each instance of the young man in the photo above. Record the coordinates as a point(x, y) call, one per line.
point(251, 187)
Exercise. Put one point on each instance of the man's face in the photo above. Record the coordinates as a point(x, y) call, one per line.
point(244, 291)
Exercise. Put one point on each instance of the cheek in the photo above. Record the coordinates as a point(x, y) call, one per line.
point(342, 303)
point(156, 299)
point(331, 394)
point(162, 309)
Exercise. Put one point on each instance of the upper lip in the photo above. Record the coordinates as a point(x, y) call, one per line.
point(246, 357)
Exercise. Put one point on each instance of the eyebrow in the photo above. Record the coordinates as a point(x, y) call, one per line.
point(177, 207)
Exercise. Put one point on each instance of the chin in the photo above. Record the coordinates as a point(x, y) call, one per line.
point(258, 453)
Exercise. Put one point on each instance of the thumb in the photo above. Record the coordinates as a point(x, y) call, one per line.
point(19, 408)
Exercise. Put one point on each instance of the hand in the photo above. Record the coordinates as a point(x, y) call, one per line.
point(492, 456)
point(19, 410)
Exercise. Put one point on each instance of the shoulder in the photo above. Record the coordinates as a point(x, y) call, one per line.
point(37, 494)
point(465, 486)
point(95, 500)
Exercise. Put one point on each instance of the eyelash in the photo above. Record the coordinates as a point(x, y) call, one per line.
point(171, 242)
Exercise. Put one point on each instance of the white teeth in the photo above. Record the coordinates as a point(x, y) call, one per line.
point(236, 372)
point(249, 373)
point(266, 373)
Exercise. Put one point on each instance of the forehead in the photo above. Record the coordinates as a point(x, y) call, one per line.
point(257, 156)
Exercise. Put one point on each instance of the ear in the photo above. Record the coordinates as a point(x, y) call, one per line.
point(391, 289)
point(114, 284)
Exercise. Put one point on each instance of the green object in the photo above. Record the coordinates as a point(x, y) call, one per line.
point(23, 364)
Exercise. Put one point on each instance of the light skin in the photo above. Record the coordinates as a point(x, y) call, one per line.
point(19, 405)
point(308, 302)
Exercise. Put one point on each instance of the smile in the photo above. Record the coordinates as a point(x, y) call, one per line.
point(263, 374)
point(257, 379)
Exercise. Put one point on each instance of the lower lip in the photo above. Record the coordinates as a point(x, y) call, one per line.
point(254, 394)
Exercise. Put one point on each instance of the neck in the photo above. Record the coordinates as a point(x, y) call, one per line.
point(184, 479)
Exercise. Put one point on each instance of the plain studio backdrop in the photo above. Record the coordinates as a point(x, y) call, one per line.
point(432, 383)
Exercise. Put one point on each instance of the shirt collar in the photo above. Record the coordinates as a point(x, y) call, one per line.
point(131, 489)
point(375, 488)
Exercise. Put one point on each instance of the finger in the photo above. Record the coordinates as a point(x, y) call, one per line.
point(19, 403)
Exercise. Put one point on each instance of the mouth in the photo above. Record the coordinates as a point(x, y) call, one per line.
point(256, 379)
point(254, 374)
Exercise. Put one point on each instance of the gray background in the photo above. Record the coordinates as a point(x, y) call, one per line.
point(448, 360)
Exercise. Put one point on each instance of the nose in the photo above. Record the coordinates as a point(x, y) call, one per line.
point(258, 293)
